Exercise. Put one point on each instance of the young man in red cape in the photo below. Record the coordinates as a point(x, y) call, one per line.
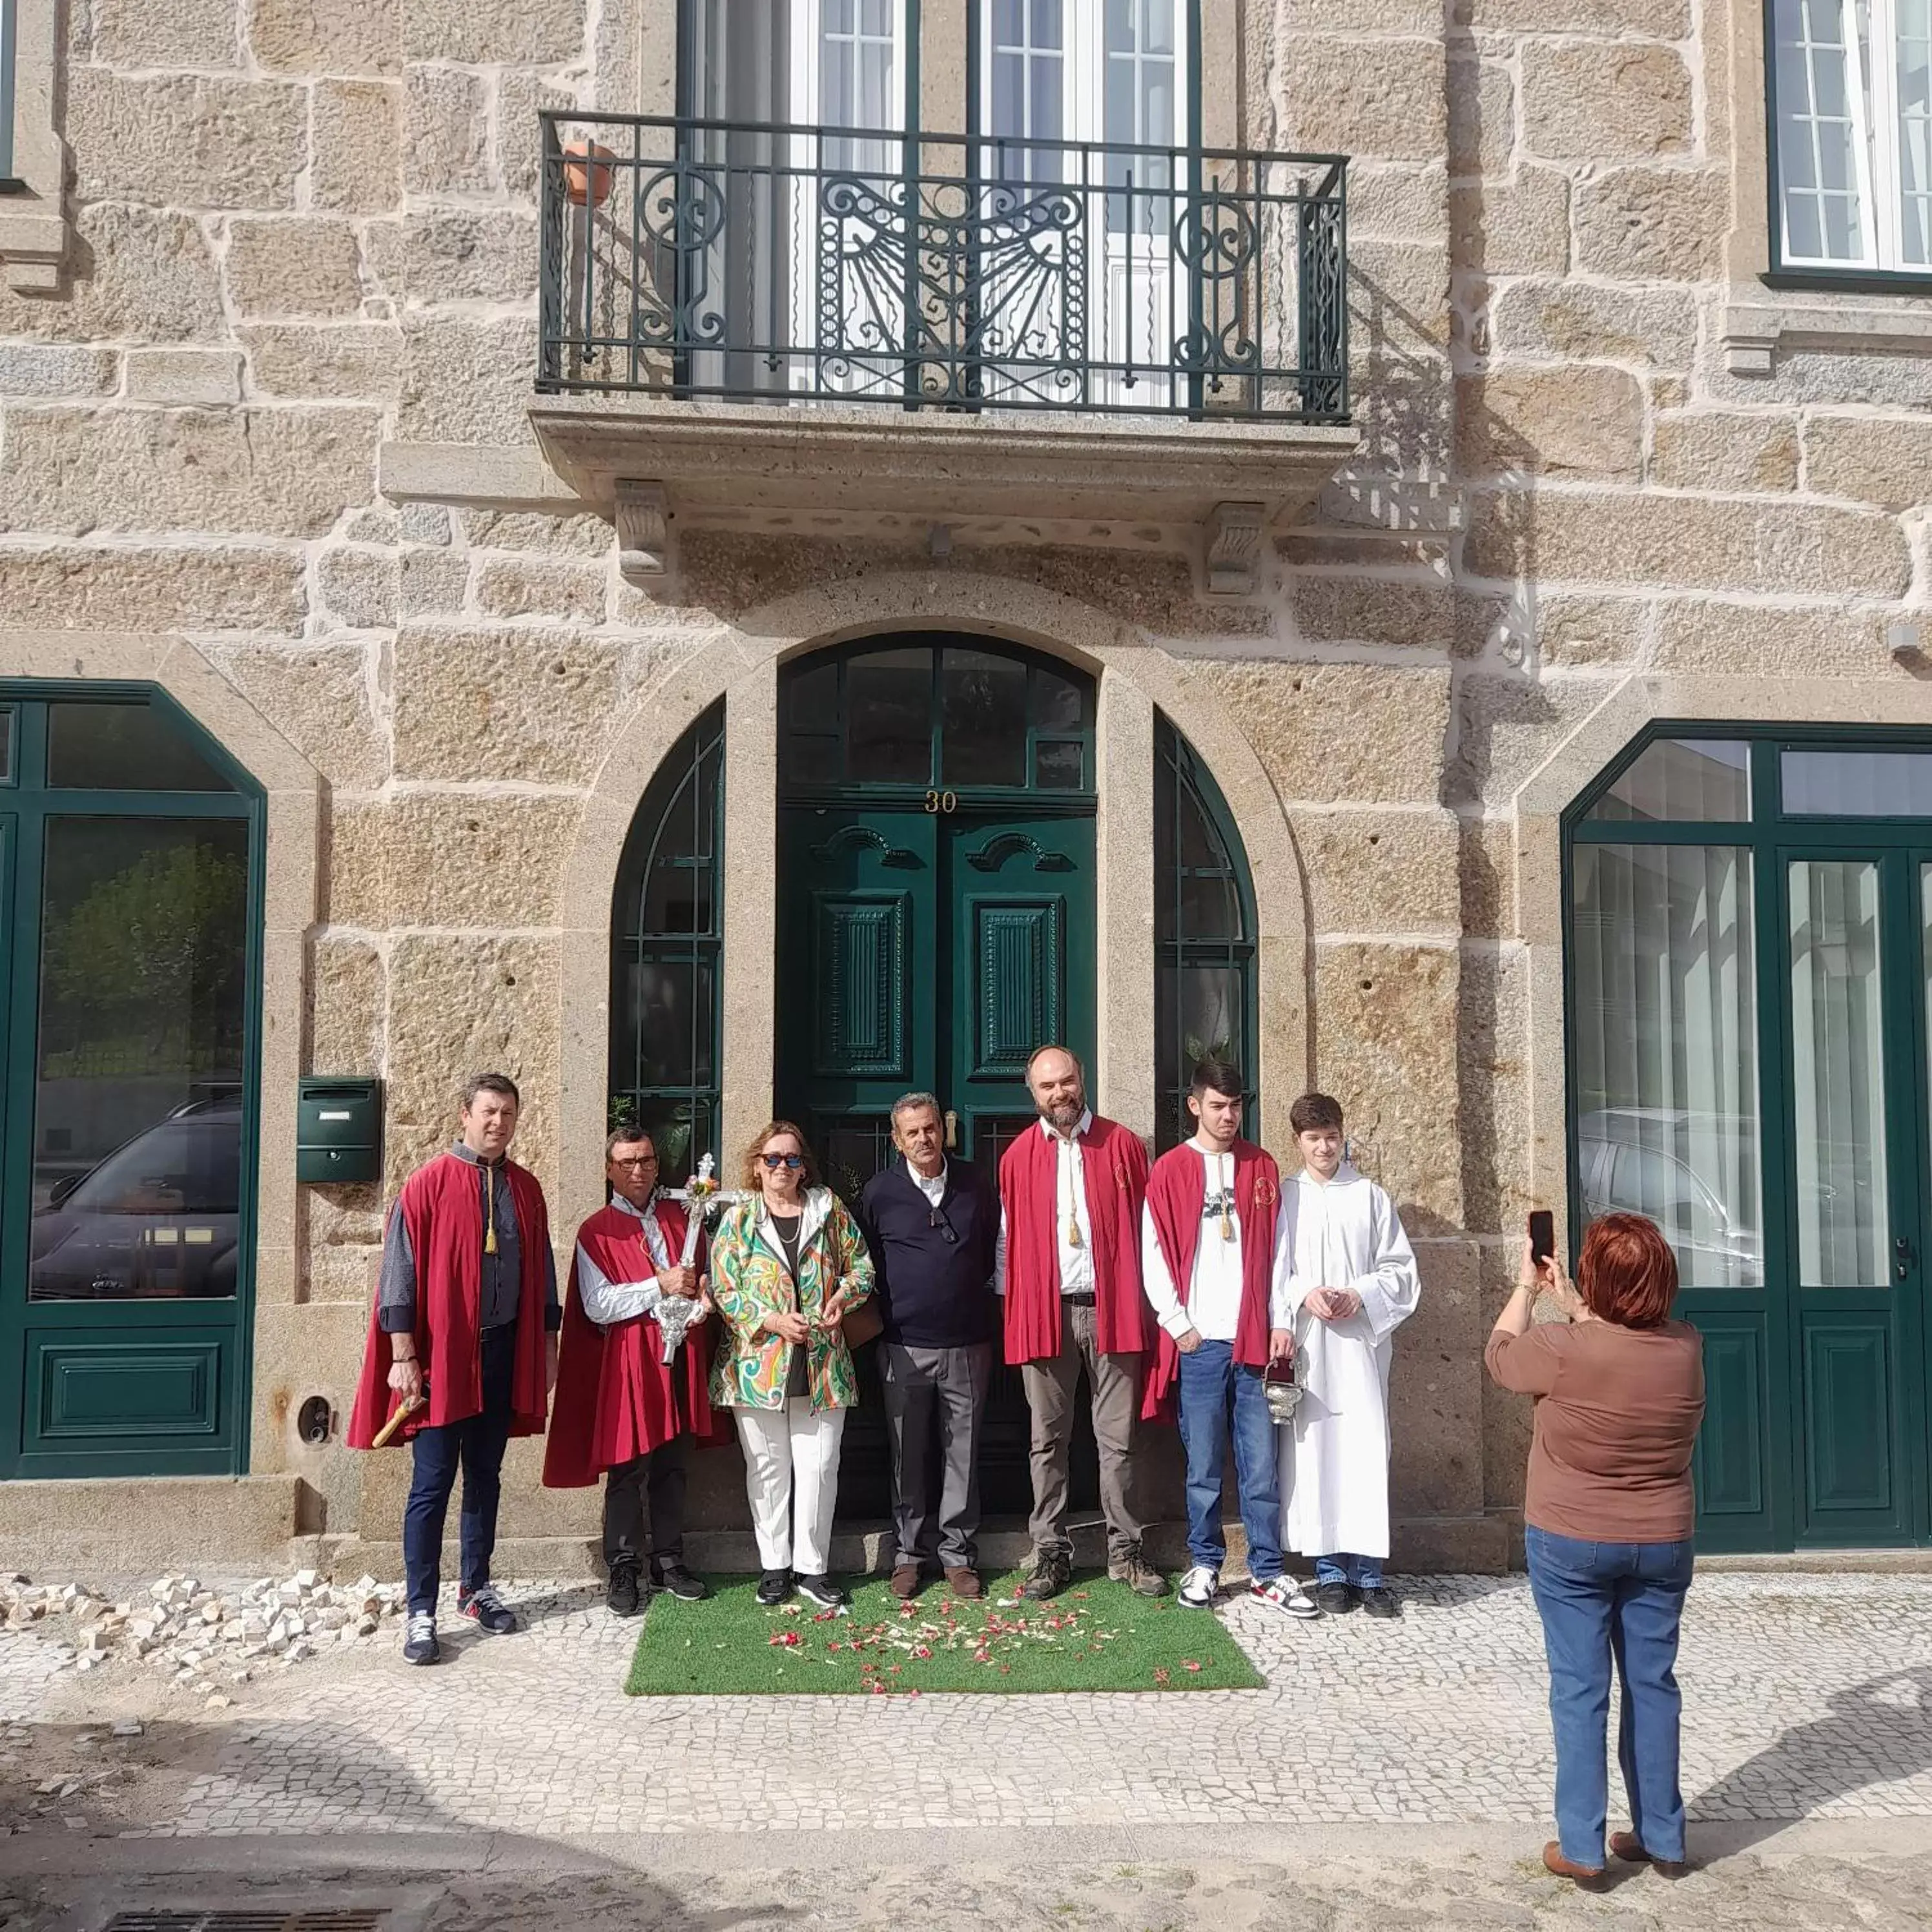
point(632, 1381)
point(465, 1321)
point(1210, 1234)
point(1069, 1267)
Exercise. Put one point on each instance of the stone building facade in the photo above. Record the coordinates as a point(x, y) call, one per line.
point(271, 441)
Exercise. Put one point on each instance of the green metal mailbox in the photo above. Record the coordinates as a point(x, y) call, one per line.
point(339, 1130)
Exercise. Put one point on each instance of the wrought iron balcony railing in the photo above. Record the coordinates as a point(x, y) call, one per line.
point(693, 258)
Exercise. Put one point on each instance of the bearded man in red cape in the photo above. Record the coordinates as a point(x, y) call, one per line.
point(633, 1380)
point(1210, 1239)
point(1069, 1267)
point(465, 1324)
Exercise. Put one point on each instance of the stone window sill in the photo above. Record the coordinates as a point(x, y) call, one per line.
point(1752, 334)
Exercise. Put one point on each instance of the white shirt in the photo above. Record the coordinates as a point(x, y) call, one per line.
point(1213, 1305)
point(605, 1300)
point(933, 1187)
point(1070, 1211)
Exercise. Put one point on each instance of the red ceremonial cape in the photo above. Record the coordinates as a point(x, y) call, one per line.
point(1115, 1166)
point(1176, 1190)
point(439, 1207)
point(616, 1397)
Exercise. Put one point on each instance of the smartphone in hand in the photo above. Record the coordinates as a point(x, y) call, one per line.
point(1542, 1235)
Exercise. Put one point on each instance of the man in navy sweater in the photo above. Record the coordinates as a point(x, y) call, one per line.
point(933, 1225)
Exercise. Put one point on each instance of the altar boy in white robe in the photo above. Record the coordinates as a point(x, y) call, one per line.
point(1351, 1280)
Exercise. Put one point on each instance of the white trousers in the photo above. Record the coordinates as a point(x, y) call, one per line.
point(791, 1476)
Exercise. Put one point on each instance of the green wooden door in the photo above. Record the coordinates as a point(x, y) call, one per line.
point(130, 905)
point(1854, 961)
point(936, 912)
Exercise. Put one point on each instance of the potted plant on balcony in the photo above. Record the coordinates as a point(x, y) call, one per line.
point(586, 173)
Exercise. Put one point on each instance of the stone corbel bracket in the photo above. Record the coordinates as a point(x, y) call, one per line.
point(643, 517)
point(1233, 558)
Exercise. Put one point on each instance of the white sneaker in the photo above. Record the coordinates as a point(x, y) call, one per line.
point(1199, 1585)
point(1285, 1594)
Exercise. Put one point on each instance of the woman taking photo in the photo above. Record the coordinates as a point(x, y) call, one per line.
point(787, 1267)
point(1606, 1515)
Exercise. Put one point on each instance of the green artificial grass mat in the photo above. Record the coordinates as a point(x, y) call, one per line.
point(1096, 1636)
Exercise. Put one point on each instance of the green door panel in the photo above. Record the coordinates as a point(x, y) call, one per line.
point(1729, 1461)
point(862, 973)
point(1017, 991)
point(90, 1392)
point(1850, 1408)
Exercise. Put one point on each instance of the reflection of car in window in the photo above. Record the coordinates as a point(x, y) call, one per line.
point(1677, 1168)
point(159, 1217)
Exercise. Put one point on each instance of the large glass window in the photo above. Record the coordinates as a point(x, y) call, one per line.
point(668, 943)
point(1204, 933)
point(1851, 98)
point(1664, 1020)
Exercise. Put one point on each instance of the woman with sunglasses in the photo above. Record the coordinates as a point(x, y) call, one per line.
point(787, 1266)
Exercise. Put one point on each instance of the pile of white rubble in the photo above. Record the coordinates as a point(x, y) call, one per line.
point(203, 1636)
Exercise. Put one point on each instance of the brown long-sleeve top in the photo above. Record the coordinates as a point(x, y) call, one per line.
point(1617, 1411)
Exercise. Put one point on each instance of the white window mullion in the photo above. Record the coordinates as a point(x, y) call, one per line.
point(1880, 146)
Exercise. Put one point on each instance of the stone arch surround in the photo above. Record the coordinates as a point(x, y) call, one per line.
point(740, 663)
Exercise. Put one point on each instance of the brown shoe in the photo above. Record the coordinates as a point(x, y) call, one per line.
point(964, 1583)
point(1628, 1847)
point(1589, 1878)
point(905, 1580)
point(1132, 1570)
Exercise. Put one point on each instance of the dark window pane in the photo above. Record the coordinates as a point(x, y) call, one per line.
point(8, 716)
point(1210, 906)
point(1059, 767)
point(812, 700)
point(850, 1152)
point(681, 1128)
point(667, 1015)
point(124, 748)
point(1206, 1002)
point(1058, 703)
point(1861, 784)
point(137, 1109)
point(889, 709)
point(982, 715)
point(1702, 779)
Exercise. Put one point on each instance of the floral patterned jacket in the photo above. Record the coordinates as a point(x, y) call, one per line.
point(749, 1280)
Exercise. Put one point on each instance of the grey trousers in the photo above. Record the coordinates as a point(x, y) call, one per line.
point(917, 1382)
point(1050, 1387)
point(659, 1476)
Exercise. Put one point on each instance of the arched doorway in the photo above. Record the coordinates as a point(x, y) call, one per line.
point(130, 977)
point(936, 922)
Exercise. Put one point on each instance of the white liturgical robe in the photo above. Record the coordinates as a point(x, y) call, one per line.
point(1334, 1461)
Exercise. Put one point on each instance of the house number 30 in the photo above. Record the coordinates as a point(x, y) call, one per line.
point(942, 801)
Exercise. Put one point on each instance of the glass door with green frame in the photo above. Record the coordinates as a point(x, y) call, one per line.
point(1854, 952)
point(131, 888)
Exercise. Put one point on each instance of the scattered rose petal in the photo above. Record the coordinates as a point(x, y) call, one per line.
point(1188, 1663)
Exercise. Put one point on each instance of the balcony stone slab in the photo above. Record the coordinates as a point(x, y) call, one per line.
point(994, 477)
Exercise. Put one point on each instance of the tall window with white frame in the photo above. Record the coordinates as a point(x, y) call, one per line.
point(1851, 112)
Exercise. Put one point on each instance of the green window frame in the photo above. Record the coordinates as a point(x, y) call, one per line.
point(668, 947)
point(1199, 858)
point(9, 41)
point(25, 793)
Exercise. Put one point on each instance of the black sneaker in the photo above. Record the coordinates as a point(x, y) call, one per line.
point(774, 1586)
point(1379, 1600)
point(622, 1596)
point(483, 1606)
point(823, 1591)
point(419, 1644)
point(1051, 1572)
point(675, 1578)
point(1336, 1600)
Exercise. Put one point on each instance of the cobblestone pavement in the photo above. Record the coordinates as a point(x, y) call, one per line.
point(1806, 1697)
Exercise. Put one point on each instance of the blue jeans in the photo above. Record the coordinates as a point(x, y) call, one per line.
point(1212, 1385)
point(1600, 1601)
point(475, 1445)
point(1364, 1572)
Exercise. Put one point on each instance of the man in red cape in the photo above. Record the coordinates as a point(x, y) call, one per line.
point(1070, 1270)
point(1209, 1236)
point(465, 1321)
point(621, 1406)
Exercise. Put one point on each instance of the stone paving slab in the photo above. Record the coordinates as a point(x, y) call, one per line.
point(1806, 1697)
